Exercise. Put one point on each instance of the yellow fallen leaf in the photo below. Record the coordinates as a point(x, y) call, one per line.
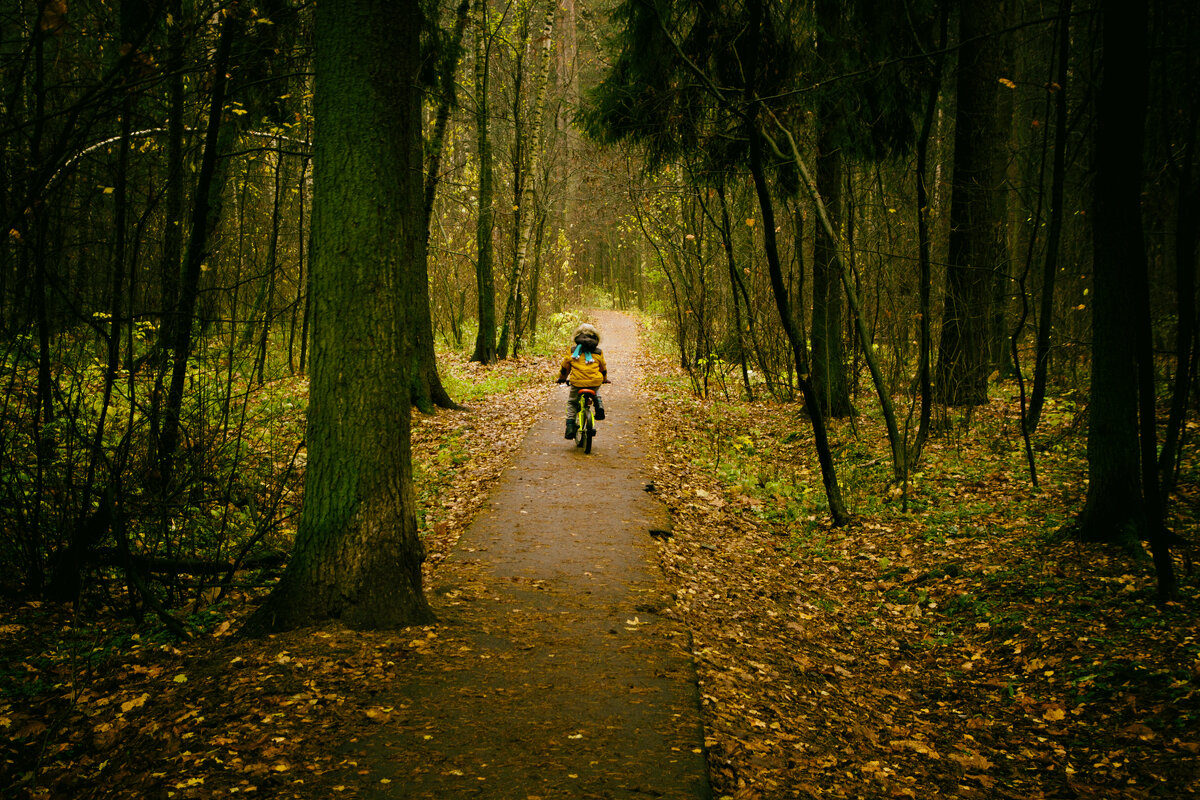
point(378, 715)
point(972, 760)
point(137, 702)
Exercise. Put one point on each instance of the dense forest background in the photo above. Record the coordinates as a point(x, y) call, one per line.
point(916, 281)
point(877, 207)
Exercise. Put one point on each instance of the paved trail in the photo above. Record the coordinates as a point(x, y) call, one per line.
point(552, 676)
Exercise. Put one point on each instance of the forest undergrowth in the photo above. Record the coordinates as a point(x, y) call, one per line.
point(94, 703)
point(960, 648)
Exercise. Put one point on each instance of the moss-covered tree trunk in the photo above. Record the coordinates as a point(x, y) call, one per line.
point(357, 556)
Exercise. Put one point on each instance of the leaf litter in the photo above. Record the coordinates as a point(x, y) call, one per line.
point(956, 649)
point(107, 709)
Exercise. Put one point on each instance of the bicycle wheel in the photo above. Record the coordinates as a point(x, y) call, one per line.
point(589, 430)
point(580, 425)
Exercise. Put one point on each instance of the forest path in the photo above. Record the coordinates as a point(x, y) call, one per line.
point(551, 674)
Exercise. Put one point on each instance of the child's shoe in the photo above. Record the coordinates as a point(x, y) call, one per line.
point(599, 408)
point(571, 428)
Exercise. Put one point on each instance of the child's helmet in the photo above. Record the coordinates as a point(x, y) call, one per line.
point(588, 331)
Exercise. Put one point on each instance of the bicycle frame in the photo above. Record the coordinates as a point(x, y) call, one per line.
point(585, 420)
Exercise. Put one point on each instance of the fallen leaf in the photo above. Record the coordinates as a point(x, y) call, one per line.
point(137, 702)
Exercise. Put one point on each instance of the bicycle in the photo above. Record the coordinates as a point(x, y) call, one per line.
point(585, 417)
point(585, 420)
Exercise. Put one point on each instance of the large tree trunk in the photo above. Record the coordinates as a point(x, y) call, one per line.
point(357, 556)
point(1114, 510)
point(427, 388)
point(172, 238)
point(828, 350)
point(977, 246)
point(485, 280)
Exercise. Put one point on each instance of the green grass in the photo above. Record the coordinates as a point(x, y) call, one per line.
point(467, 386)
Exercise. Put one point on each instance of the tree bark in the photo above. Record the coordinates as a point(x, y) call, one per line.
point(828, 350)
point(977, 246)
point(899, 461)
point(427, 388)
point(1116, 509)
point(437, 139)
point(485, 338)
point(268, 306)
point(725, 227)
point(172, 246)
point(301, 288)
point(357, 556)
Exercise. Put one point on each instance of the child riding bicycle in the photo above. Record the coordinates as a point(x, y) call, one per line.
point(585, 369)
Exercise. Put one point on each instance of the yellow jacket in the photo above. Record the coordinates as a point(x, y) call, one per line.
point(583, 373)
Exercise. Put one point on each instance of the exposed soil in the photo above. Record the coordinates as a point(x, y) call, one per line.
point(552, 673)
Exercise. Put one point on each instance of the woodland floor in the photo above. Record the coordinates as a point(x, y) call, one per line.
point(958, 648)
